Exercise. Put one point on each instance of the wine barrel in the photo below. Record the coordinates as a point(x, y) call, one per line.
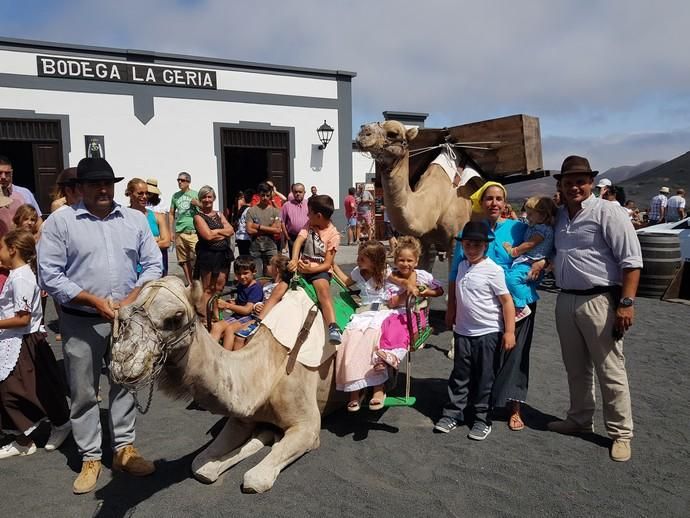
point(661, 257)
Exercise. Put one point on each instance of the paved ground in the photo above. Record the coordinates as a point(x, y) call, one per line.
point(391, 464)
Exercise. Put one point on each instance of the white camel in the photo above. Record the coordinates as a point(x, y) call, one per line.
point(159, 335)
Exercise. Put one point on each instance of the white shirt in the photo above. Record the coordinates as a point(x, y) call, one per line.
point(673, 205)
point(369, 293)
point(594, 246)
point(477, 288)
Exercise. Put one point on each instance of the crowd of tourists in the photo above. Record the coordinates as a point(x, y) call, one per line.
point(93, 256)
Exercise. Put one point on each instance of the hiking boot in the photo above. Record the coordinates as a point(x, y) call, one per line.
point(58, 434)
point(568, 427)
point(446, 424)
point(14, 449)
point(523, 313)
point(480, 431)
point(129, 460)
point(334, 336)
point(620, 450)
point(86, 481)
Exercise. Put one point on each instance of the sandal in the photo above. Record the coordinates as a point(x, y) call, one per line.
point(515, 423)
point(376, 403)
point(353, 406)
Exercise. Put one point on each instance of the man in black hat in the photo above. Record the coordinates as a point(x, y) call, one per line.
point(597, 266)
point(87, 261)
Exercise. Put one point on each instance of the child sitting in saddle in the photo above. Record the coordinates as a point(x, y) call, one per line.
point(272, 292)
point(406, 279)
point(249, 293)
point(356, 358)
point(320, 240)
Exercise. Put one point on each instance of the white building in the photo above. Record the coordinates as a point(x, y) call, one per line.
point(230, 124)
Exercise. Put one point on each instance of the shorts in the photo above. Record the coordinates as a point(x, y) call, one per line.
point(310, 278)
point(185, 247)
point(364, 217)
point(352, 221)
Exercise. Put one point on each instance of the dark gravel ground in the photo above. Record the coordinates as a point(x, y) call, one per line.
point(391, 464)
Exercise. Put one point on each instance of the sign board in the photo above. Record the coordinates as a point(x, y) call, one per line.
point(137, 73)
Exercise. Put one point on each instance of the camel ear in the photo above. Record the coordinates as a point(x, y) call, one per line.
point(195, 291)
point(411, 133)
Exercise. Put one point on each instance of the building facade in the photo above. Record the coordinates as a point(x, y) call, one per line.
point(229, 124)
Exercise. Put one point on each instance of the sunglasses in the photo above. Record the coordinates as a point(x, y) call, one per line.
point(182, 180)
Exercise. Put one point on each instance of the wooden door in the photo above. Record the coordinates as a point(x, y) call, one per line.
point(278, 170)
point(47, 165)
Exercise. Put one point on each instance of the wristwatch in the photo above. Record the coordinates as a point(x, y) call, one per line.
point(626, 302)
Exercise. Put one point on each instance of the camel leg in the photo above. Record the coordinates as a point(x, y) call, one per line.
point(230, 442)
point(297, 441)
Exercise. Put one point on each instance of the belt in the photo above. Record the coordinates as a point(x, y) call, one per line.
point(78, 312)
point(591, 291)
point(187, 232)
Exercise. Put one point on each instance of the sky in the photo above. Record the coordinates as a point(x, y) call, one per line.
point(609, 80)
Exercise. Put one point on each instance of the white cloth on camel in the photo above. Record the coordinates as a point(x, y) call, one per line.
point(449, 166)
point(285, 321)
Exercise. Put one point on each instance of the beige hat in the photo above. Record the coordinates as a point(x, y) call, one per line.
point(152, 186)
point(665, 190)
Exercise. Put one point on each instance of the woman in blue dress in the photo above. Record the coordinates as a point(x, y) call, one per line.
point(510, 385)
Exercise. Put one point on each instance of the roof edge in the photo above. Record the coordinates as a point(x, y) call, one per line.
point(140, 55)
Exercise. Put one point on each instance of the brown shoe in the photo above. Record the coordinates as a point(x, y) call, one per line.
point(568, 427)
point(129, 460)
point(620, 450)
point(86, 481)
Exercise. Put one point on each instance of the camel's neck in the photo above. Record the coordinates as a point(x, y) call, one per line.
point(226, 382)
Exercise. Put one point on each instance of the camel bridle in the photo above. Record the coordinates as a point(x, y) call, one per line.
point(166, 344)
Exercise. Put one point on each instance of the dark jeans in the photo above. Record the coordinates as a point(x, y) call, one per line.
point(472, 377)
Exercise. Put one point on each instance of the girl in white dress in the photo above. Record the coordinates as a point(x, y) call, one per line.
point(356, 358)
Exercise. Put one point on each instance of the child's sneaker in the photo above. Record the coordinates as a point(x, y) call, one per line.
point(334, 336)
point(523, 313)
point(479, 431)
point(248, 331)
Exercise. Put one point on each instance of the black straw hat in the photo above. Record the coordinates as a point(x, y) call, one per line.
point(476, 231)
point(95, 170)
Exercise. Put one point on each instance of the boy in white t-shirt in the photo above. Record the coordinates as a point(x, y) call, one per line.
point(484, 322)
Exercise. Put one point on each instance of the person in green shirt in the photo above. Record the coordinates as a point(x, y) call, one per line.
point(183, 207)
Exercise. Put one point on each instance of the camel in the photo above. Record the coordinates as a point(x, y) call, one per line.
point(159, 336)
point(434, 211)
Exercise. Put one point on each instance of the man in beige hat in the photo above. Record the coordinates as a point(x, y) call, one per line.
point(597, 266)
point(657, 207)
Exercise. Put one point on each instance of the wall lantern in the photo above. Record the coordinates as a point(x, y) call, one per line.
point(325, 133)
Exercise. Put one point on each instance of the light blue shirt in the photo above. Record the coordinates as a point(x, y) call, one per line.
point(81, 252)
point(28, 197)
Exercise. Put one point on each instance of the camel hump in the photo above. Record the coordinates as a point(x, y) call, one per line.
point(285, 322)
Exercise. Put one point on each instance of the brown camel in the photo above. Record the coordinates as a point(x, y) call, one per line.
point(433, 211)
point(159, 335)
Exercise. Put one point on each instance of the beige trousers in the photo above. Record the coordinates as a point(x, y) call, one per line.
point(585, 328)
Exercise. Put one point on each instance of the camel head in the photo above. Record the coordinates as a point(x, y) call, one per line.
point(387, 141)
point(159, 324)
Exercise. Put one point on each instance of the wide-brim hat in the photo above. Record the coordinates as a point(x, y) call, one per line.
point(575, 165)
point(476, 231)
point(67, 177)
point(152, 186)
point(96, 170)
point(665, 190)
point(604, 182)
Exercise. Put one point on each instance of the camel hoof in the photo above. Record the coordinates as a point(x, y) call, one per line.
point(258, 482)
point(205, 470)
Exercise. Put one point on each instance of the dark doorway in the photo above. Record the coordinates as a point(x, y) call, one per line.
point(254, 156)
point(35, 149)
